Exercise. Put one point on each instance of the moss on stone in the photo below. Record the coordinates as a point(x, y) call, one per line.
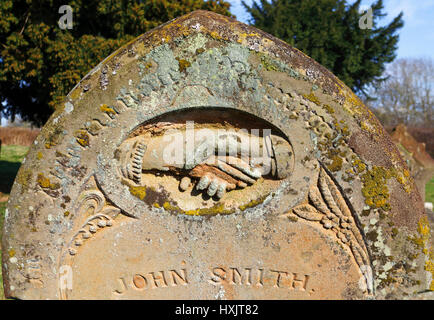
point(53, 135)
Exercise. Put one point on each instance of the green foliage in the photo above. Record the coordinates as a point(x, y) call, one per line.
point(40, 63)
point(328, 31)
point(10, 161)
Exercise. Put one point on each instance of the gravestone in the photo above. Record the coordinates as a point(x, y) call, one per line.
point(209, 160)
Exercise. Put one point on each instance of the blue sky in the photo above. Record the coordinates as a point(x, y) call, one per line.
point(416, 37)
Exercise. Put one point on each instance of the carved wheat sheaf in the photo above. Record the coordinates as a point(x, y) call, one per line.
point(92, 203)
point(102, 217)
point(328, 207)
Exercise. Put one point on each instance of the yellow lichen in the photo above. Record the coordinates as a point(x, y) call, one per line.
point(82, 138)
point(329, 109)
point(359, 166)
point(423, 241)
point(336, 164)
point(139, 192)
point(39, 155)
point(11, 253)
point(24, 177)
point(183, 64)
point(214, 210)
point(200, 50)
point(375, 188)
point(45, 182)
point(75, 94)
point(242, 36)
point(215, 35)
point(107, 109)
point(313, 98)
point(252, 203)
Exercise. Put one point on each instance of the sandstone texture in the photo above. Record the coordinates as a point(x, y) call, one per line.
point(96, 211)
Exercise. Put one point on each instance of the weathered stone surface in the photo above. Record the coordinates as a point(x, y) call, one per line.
point(96, 213)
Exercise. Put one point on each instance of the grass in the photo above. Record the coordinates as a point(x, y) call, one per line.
point(429, 191)
point(10, 161)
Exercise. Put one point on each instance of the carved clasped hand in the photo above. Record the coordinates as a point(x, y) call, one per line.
point(217, 162)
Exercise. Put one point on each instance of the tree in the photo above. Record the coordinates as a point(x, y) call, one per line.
point(40, 63)
point(328, 31)
point(407, 95)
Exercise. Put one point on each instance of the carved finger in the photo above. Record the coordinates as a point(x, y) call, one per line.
point(221, 190)
point(241, 184)
point(212, 188)
point(234, 172)
point(244, 167)
point(203, 183)
point(184, 184)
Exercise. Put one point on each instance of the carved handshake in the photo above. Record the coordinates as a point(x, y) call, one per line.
point(218, 160)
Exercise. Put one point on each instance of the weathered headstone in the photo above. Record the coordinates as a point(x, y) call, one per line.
point(419, 161)
point(144, 186)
